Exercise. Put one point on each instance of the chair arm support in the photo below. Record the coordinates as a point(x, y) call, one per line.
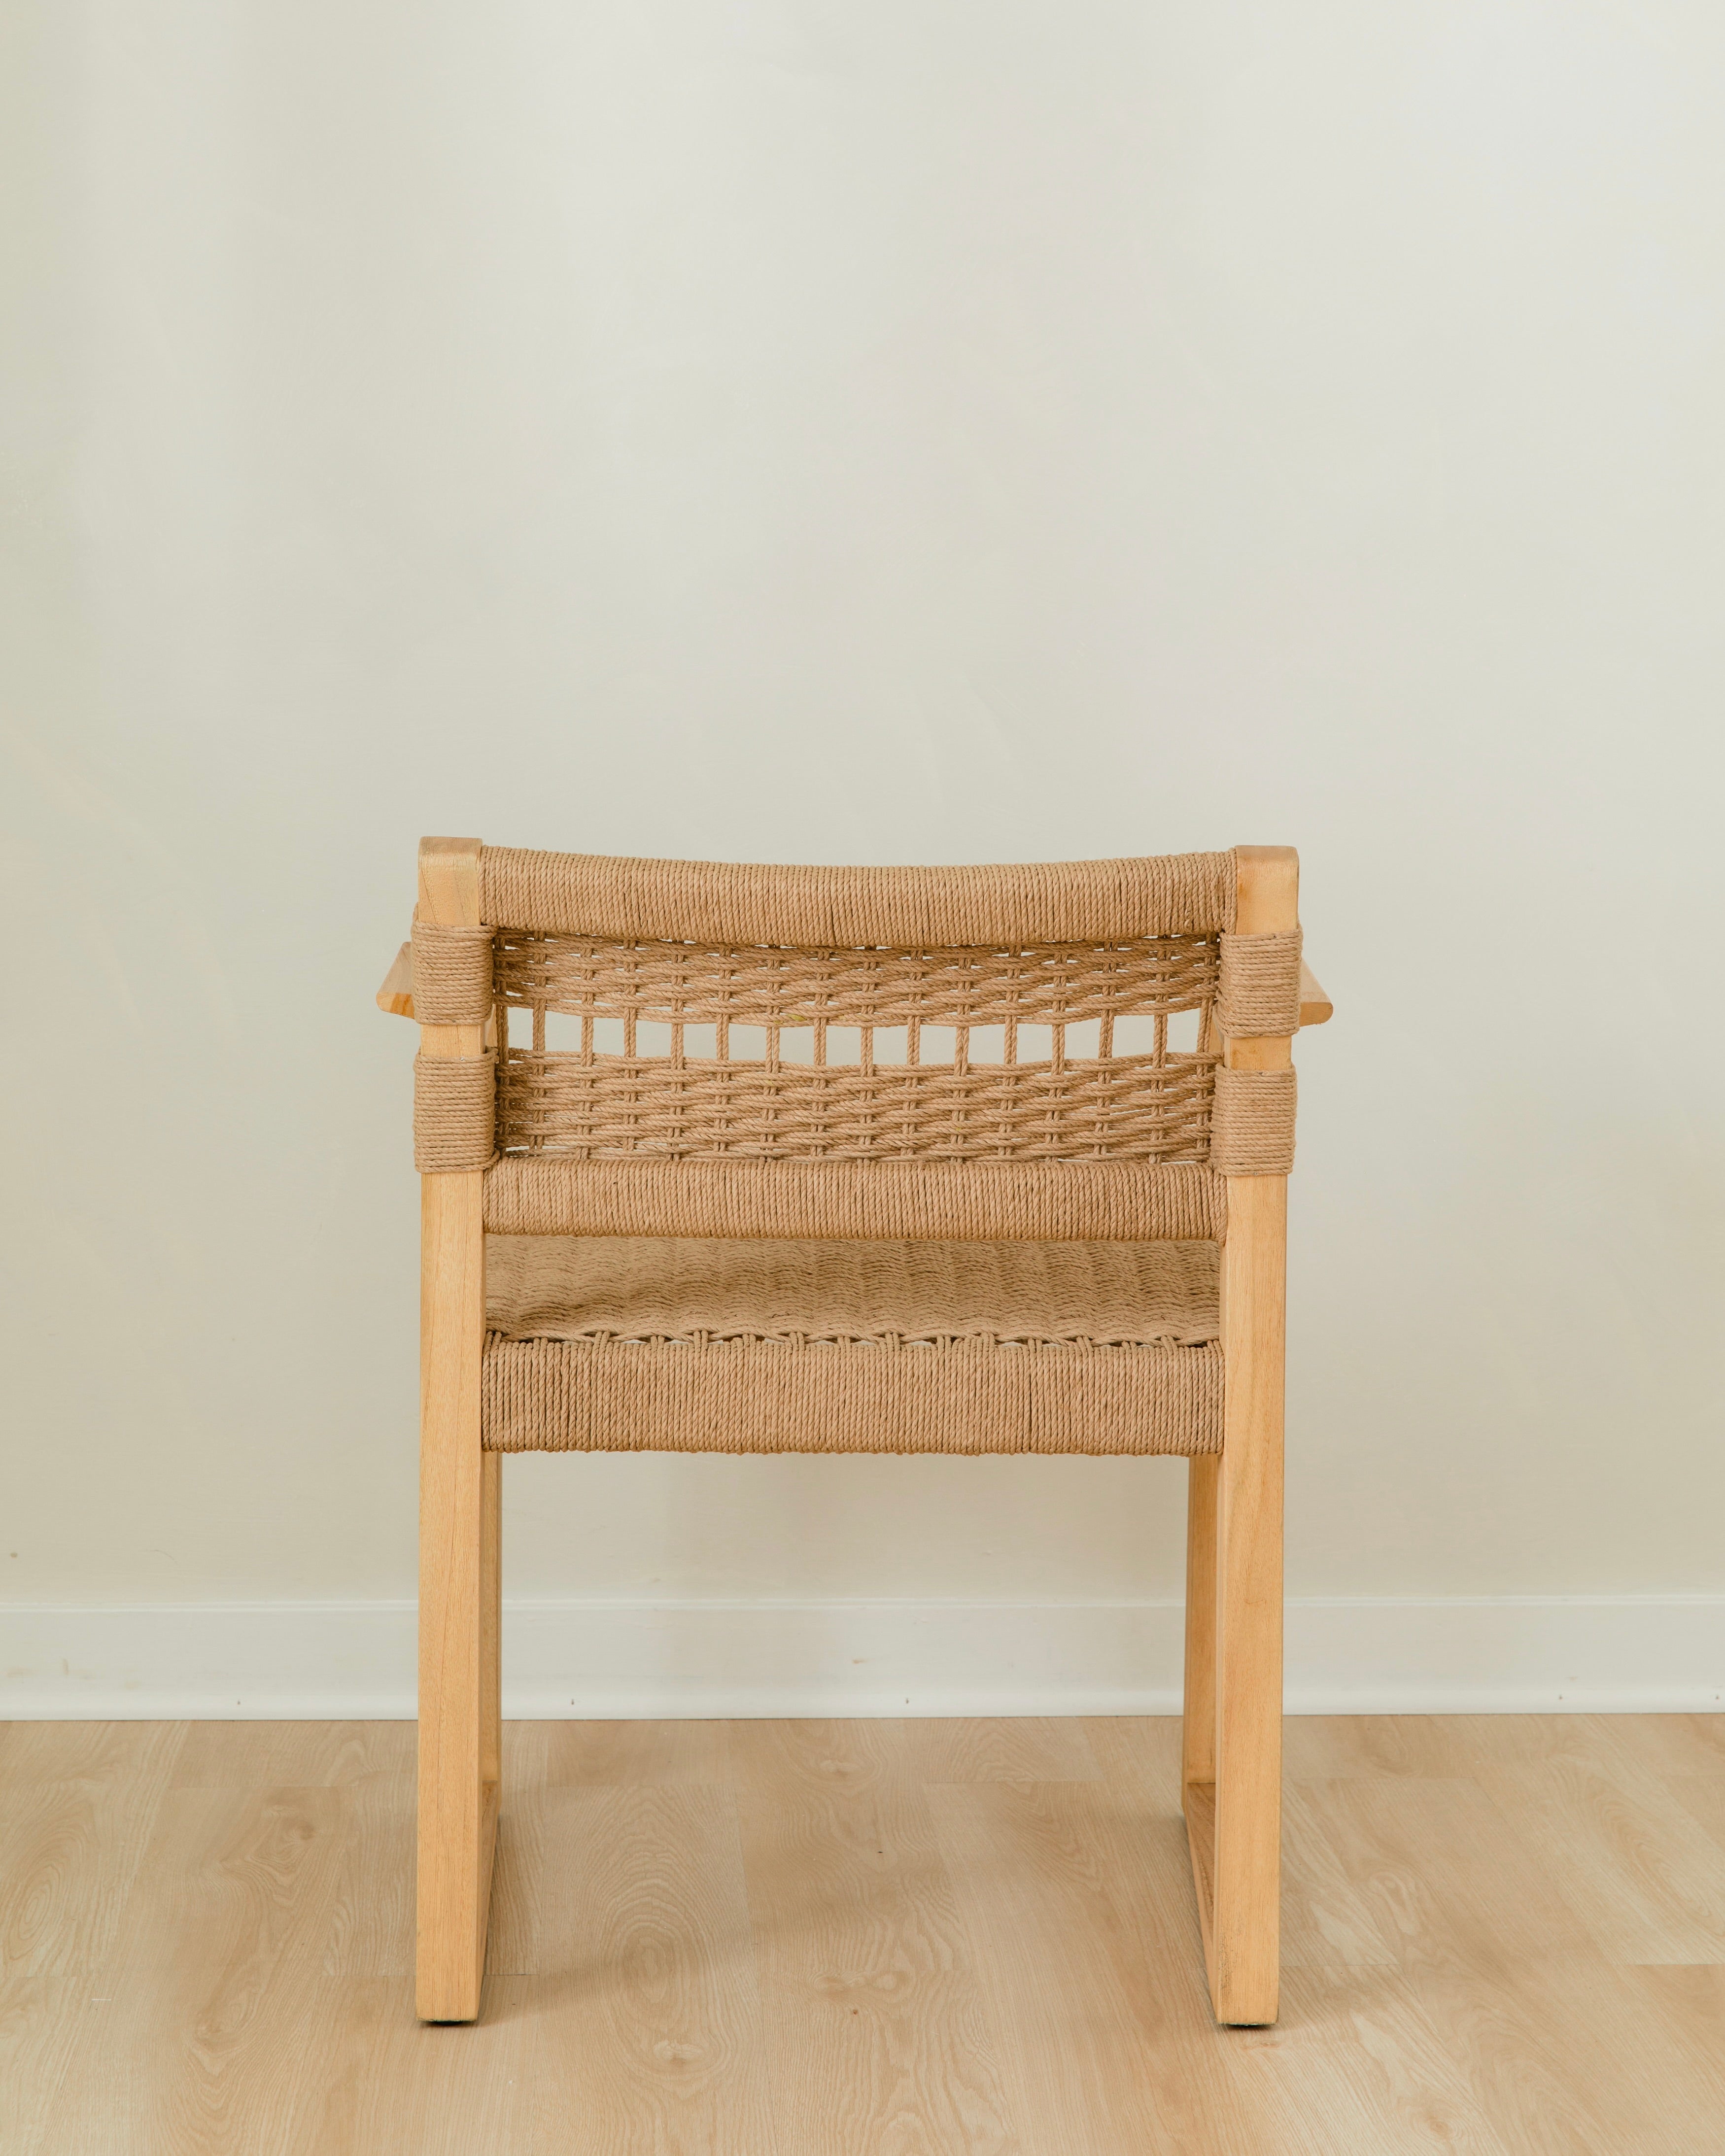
point(395, 996)
point(1315, 1006)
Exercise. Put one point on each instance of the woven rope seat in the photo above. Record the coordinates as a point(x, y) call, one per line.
point(622, 1343)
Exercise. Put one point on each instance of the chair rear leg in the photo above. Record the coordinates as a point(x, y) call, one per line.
point(1197, 1718)
point(1245, 1945)
point(491, 1616)
point(1245, 1922)
point(458, 1610)
point(1198, 1705)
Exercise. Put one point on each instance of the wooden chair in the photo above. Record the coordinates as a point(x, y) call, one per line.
point(803, 1159)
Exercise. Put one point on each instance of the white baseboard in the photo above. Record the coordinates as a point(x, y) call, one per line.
point(296, 1660)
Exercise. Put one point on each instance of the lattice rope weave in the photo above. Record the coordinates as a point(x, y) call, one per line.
point(587, 1104)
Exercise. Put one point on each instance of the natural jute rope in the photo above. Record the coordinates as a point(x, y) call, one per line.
point(856, 908)
point(713, 1345)
point(687, 984)
point(969, 1396)
point(697, 1289)
point(974, 1201)
point(452, 974)
point(842, 1159)
point(622, 1344)
point(455, 1113)
point(601, 1107)
point(1252, 1123)
point(1260, 985)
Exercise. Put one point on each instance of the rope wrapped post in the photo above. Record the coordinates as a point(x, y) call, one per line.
point(452, 973)
point(454, 1110)
point(1232, 1743)
point(459, 1731)
point(1252, 1121)
point(1259, 988)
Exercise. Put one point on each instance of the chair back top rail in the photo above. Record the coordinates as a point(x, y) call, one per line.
point(752, 904)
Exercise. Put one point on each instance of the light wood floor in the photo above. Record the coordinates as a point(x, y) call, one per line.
point(881, 1938)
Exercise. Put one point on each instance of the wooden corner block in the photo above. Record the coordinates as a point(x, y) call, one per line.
point(1267, 891)
point(449, 881)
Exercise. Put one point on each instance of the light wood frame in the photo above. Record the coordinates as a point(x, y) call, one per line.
point(1231, 1734)
point(1231, 1747)
point(460, 1728)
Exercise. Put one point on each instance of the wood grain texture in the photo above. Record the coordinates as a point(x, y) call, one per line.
point(650, 2030)
point(219, 1952)
point(78, 1804)
point(1234, 1554)
point(1641, 1872)
point(396, 995)
point(395, 2087)
point(1199, 1693)
point(1079, 1913)
point(370, 1915)
point(790, 1936)
point(459, 1567)
point(1326, 1920)
point(869, 1988)
point(1142, 1754)
point(1030, 1748)
point(1316, 1007)
point(454, 1853)
point(614, 1754)
point(1702, 1796)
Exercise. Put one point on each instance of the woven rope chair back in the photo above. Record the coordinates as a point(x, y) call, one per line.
point(698, 1016)
point(688, 1011)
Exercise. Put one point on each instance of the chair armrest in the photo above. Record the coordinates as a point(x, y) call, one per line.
point(395, 996)
point(1315, 1006)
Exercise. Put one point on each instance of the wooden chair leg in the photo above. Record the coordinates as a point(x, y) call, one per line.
point(458, 1626)
point(1197, 1717)
point(1234, 1563)
point(1198, 1723)
point(1235, 1823)
point(1198, 1720)
point(491, 1611)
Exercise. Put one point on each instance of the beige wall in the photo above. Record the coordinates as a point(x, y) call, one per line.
point(900, 433)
